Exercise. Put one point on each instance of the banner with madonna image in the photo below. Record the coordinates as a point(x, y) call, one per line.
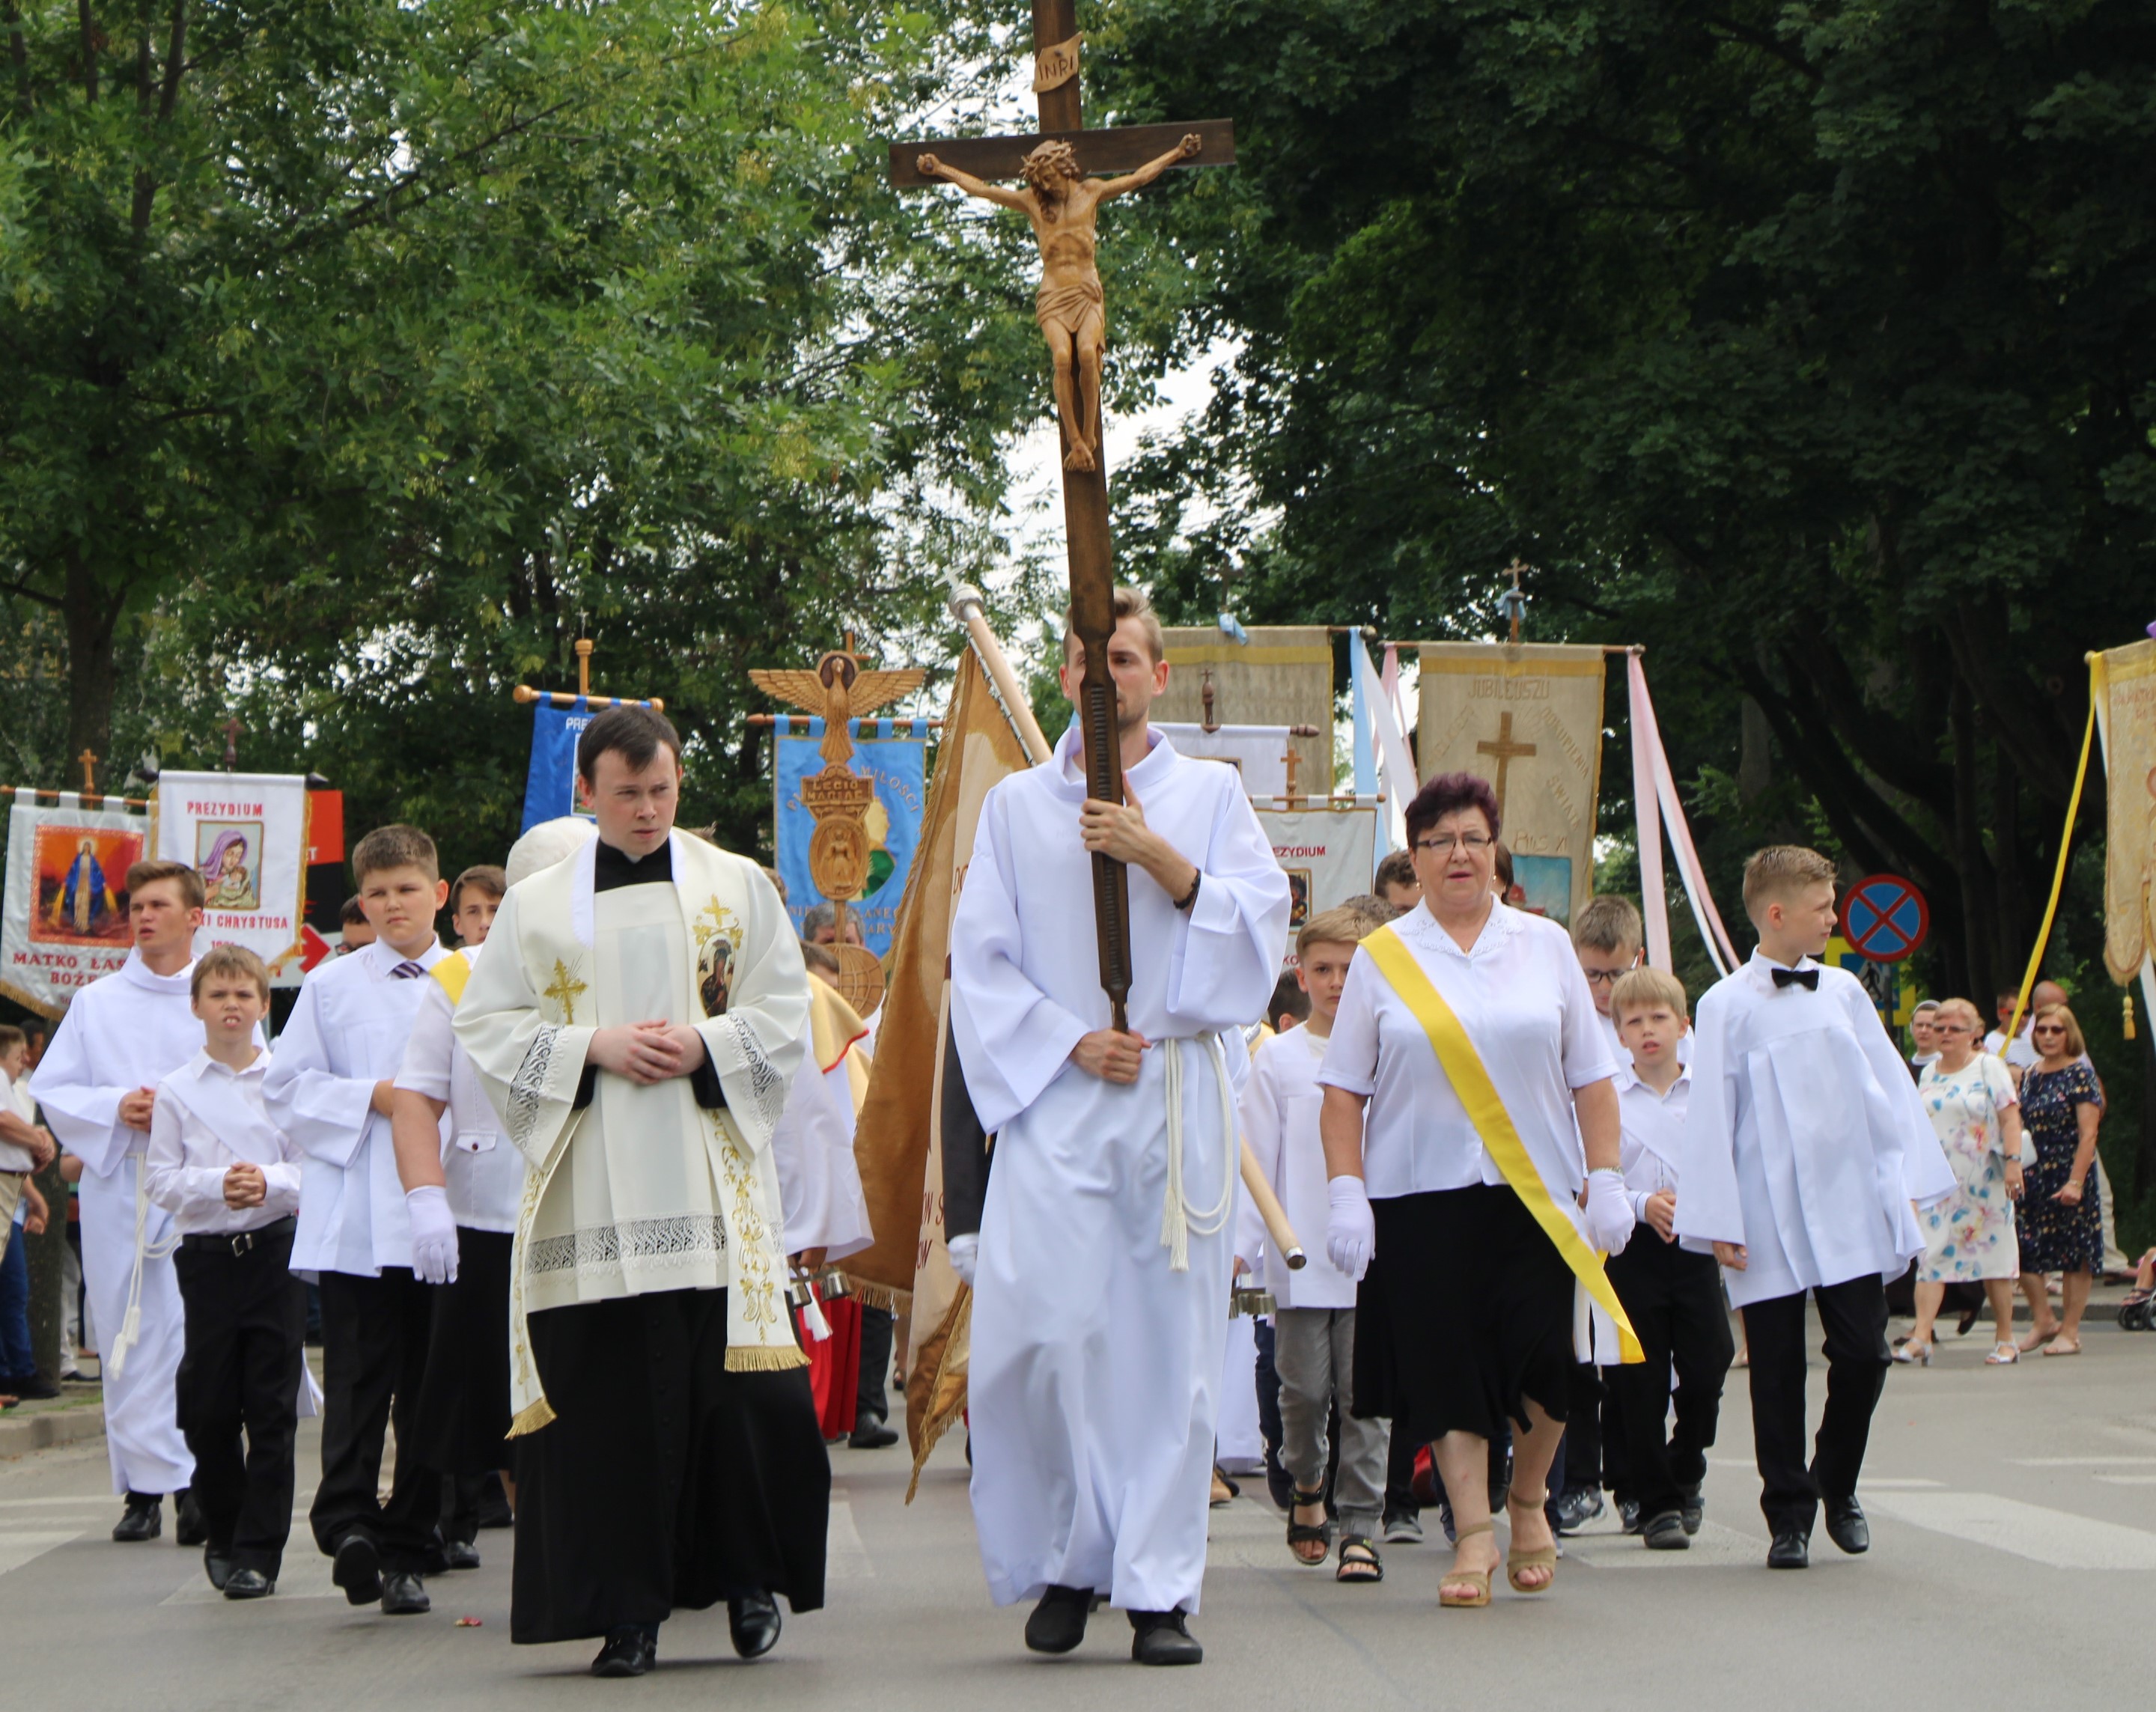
point(63, 920)
point(246, 835)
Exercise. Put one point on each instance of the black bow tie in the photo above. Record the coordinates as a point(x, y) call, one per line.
point(1806, 978)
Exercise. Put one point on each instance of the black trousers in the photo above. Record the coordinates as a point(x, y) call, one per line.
point(374, 1357)
point(870, 1399)
point(1673, 1301)
point(246, 1323)
point(1580, 1450)
point(1854, 1316)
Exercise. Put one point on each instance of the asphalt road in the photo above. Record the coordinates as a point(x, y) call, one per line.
point(2013, 1565)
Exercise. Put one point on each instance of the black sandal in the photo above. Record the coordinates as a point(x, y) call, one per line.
point(1306, 1534)
point(1370, 1567)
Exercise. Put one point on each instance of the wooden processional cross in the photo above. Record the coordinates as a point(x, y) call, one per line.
point(1060, 201)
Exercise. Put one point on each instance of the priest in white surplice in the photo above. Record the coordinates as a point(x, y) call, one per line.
point(636, 1022)
point(122, 1036)
point(1097, 1356)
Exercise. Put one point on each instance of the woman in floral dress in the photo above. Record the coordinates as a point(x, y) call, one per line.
point(2062, 1219)
point(1969, 1237)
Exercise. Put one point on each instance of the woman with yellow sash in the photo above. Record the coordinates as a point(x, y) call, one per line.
point(1467, 1097)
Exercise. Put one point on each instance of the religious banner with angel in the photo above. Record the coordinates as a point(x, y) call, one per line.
point(246, 835)
point(65, 920)
point(890, 825)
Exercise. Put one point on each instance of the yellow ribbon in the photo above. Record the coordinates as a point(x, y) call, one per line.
point(1463, 1066)
point(450, 973)
point(2066, 850)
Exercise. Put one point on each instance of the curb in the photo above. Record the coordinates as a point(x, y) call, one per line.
point(21, 1434)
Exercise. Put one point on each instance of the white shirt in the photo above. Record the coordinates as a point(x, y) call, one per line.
point(1279, 1106)
point(17, 1099)
point(2020, 1054)
point(128, 1030)
point(1652, 1132)
point(485, 1180)
point(348, 1032)
point(208, 1118)
point(1523, 1000)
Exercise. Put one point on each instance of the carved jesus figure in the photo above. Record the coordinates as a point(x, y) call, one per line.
point(1062, 203)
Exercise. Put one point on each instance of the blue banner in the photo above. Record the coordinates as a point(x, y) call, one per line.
point(550, 788)
point(898, 767)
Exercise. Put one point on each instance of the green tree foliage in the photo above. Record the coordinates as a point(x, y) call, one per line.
point(353, 353)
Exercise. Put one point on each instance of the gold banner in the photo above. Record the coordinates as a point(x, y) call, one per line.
point(2123, 681)
point(1283, 676)
point(1529, 719)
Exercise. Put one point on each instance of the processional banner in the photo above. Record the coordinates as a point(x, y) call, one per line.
point(550, 783)
point(2124, 686)
point(896, 766)
point(1528, 717)
point(1328, 854)
point(63, 920)
point(1281, 676)
point(1258, 752)
point(246, 835)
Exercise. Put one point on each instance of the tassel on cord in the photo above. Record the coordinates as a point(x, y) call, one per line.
point(2128, 1017)
point(131, 1323)
point(812, 1317)
point(1178, 1219)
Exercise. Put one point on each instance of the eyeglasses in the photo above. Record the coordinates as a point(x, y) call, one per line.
point(1952, 1028)
point(1474, 843)
point(2048, 1028)
point(1603, 977)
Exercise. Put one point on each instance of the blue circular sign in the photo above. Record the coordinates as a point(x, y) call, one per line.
point(1885, 918)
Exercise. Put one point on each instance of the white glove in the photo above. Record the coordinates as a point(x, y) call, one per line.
point(433, 1234)
point(1609, 1218)
point(1351, 1229)
point(965, 1256)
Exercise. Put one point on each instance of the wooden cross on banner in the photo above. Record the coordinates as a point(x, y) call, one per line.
point(1060, 201)
point(1506, 751)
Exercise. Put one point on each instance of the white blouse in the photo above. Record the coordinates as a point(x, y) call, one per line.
point(1524, 1002)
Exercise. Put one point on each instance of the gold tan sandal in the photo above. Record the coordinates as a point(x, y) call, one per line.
point(1479, 1579)
point(1541, 1557)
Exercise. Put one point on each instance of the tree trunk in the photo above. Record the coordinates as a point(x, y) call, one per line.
point(1973, 867)
point(92, 617)
point(1755, 764)
point(2010, 930)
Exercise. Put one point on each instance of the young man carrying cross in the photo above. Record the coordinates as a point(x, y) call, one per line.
point(1103, 1261)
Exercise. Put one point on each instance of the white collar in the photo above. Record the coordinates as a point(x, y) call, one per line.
point(137, 973)
point(203, 1064)
point(1500, 924)
point(383, 958)
point(1760, 971)
point(1630, 1078)
point(1069, 773)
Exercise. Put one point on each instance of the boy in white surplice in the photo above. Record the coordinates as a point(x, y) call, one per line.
point(1096, 1359)
point(636, 1022)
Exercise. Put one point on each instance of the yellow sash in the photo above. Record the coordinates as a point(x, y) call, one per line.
point(452, 972)
point(1463, 1066)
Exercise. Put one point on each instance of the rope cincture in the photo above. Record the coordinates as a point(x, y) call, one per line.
point(130, 1324)
point(1178, 1219)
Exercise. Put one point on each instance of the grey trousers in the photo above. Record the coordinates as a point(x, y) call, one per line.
point(1314, 1352)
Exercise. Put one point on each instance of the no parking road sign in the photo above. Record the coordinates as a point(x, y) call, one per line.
point(1885, 918)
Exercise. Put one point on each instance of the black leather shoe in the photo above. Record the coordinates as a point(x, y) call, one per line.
point(1628, 1513)
point(752, 1621)
point(1058, 1622)
point(217, 1566)
point(403, 1594)
point(356, 1568)
point(1665, 1532)
point(143, 1520)
point(1845, 1525)
point(30, 1389)
point(871, 1434)
point(249, 1584)
point(1790, 1551)
point(1695, 1506)
point(1574, 1509)
point(627, 1652)
point(460, 1554)
point(1163, 1638)
point(190, 1526)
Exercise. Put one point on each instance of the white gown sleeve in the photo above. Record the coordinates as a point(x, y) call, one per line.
point(529, 1067)
point(1708, 1208)
point(170, 1181)
point(82, 1116)
point(1261, 1130)
point(756, 1044)
point(1228, 954)
point(324, 1115)
point(1898, 1116)
point(1013, 1039)
point(1350, 1054)
point(433, 1044)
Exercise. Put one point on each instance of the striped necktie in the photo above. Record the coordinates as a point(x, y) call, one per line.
point(407, 971)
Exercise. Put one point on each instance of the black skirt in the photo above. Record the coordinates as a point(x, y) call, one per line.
point(462, 1425)
point(664, 1482)
point(1465, 1314)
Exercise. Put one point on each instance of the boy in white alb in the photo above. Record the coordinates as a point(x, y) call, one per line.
point(1672, 1297)
point(1314, 1326)
point(462, 1191)
point(230, 1178)
point(1803, 1151)
point(330, 1088)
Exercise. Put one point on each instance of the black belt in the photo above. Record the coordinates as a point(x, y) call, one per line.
point(237, 1243)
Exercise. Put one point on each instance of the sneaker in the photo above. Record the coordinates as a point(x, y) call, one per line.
point(1403, 1527)
point(1574, 1509)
